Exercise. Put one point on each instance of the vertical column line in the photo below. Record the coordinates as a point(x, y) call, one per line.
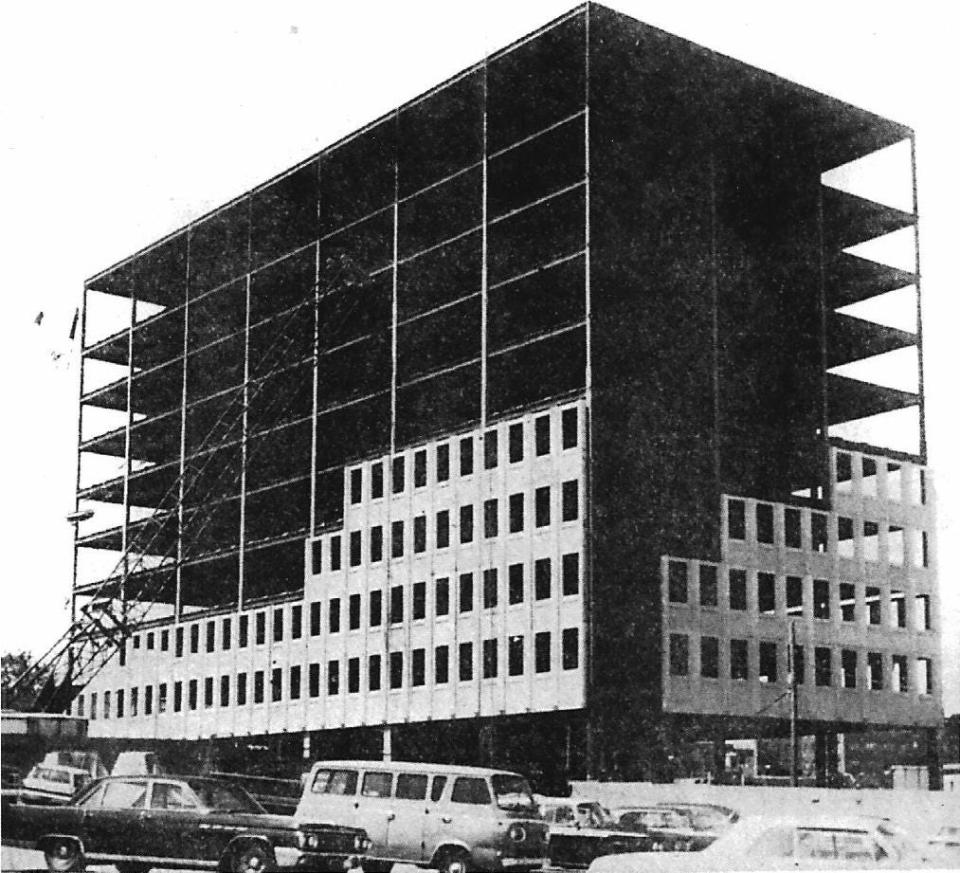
point(76, 493)
point(314, 437)
point(715, 319)
point(916, 256)
point(244, 438)
point(824, 451)
point(480, 521)
point(125, 530)
point(178, 572)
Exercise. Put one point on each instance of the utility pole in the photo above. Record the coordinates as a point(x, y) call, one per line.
point(792, 680)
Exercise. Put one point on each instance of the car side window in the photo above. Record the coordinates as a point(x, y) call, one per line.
point(124, 795)
point(468, 789)
point(94, 799)
point(377, 784)
point(411, 786)
point(341, 782)
point(834, 845)
point(167, 795)
point(436, 790)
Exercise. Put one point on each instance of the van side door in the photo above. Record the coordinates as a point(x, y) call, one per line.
point(436, 817)
point(375, 810)
point(330, 796)
point(412, 810)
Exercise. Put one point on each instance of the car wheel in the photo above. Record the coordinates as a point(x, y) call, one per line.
point(63, 856)
point(454, 861)
point(253, 859)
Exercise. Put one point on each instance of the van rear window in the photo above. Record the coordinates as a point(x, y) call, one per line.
point(411, 786)
point(470, 790)
point(335, 782)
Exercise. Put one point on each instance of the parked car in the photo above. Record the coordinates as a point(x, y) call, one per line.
point(52, 783)
point(705, 816)
point(442, 816)
point(808, 843)
point(581, 830)
point(140, 822)
point(671, 830)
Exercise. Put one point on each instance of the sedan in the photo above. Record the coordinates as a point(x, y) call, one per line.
point(140, 822)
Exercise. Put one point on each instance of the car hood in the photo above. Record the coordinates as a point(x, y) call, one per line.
point(650, 862)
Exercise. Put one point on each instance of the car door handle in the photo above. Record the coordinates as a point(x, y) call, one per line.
point(446, 819)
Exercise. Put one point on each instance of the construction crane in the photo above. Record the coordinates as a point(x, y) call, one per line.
point(100, 627)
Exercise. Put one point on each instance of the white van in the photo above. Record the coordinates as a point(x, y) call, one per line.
point(442, 816)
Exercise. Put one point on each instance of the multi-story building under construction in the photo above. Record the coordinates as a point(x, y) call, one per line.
point(511, 422)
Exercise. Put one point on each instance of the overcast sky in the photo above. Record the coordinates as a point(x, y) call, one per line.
point(122, 121)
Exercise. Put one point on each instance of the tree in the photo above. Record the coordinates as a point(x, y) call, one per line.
point(13, 665)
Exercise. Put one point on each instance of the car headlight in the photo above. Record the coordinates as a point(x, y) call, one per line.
point(517, 832)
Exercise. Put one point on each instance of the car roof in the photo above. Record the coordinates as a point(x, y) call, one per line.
point(414, 767)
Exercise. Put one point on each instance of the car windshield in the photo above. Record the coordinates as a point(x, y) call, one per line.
point(513, 792)
point(223, 797)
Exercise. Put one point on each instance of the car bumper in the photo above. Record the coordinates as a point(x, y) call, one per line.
point(522, 863)
point(308, 862)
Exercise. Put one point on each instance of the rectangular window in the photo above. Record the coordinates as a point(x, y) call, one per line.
point(376, 480)
point(739, 660)
point(767, 593)
point(418, 667)
point(765, 524)
point(848, 602)
point(136, 643)
point(677, 581)
point(192, 691)
point(135, 698)
point(396, 539)
point(799, 664)
point(571, 573)
point(491, 518)
point(515, 655)
point(822, 666)
point(541, 652)
point(353, 612)
point(294, 680)
point(333, 678)
point(921, 612)
point(845, 541)
point(399, 476)
point(120, 701)
point(178, 642)
point(164, 641)
point(541, 578)
point(466, 592)
point(570, 648)
point(376, 608)
point(898, 608)
point(420, 534)
point(490, 659)
point(224, 691)
point(315, 608)
point(207, 694)
point(150, 643)
point(333, 616)
point(316, 557)
point(466, 456)
point(871, 601)
point(178, 696)
point(376, 544)
point(848, 668)
point(396, 604)
point(679, 655)
point(490, 450)
point(515, 583)
point(924, 675)
point(194, 639)
point(374, 668)
point(821, 599)
point(241, 689)
point(226, 633)
point(260, 628)
point(278, 625)
point(353, 676)
point(93, 706)
point(313, 680)
point(570, 510)
point(871, 541)
point(710, 657)
point(443, 529)
point(736, 520)
point(334, 554)
point(441, 665)
point(542, 506)
point(516, 513)
point(296, 622)
point(466, 524)
point(794, 595)
point(818, 532)
point(768, 662)
point(419, 600)
point(258, 686)
point(542, 434)
point(515, 438)
point(443, 462)
point(738, 589)
point(899, 680)
point(875, 671)
point(420, 468)
point(355, 548)
point(569, 424)
point(442, 593)
point(107, 695)
point(466, 662)
point(243, 631)
point(708, 585)
point(356, 485)
point(792, 532)
point(490, 586)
